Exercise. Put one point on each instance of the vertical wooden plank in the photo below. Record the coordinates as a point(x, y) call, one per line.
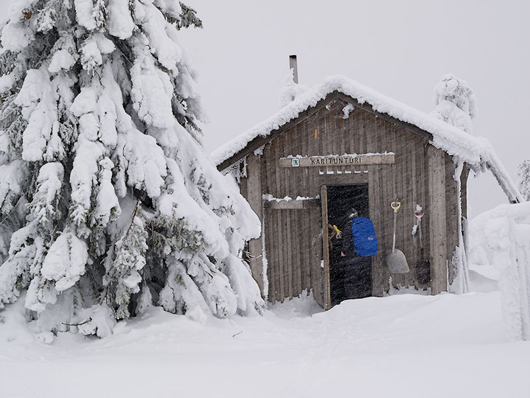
point(288, 249)
point(463, 190)
point(410, 180)
point(342, 131)
point(296, 184)
point(374, 199)
point(243, 182)
point(266, 188)
point(437, 220)
point(402, 227)
point(269, 252)
point(388, 196)
point(286, 189)
point(452, 215)
point(266, 225)
point(296, 251)
point(405, 144)
point(315, 277)
point(304, 237)
point(423, 195)
point(414, 202)
point(361, 139)
point(353, 131)
point(397, 193)
point(254, 198)
point(325, 247)
point(279, 254)
point(317, 270)
point(338, 128)
point(304, 242)
point(278, 227)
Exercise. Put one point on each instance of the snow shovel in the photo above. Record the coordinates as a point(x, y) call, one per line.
point(423, 267)
point(395, 260)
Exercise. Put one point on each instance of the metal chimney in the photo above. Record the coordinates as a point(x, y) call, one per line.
point(294, 66)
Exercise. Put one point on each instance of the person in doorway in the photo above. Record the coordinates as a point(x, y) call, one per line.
point(353, 270)
point(341, 252)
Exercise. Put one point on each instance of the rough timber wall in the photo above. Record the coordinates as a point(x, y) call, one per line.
point(293, 236)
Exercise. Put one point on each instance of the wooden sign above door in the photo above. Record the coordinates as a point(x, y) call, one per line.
point(338, 160)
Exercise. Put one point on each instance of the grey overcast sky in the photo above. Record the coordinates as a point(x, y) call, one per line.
point(399, 47)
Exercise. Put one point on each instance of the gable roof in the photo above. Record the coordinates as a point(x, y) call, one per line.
point(463, 147)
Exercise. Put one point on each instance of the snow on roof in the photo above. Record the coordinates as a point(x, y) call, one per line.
point(464, 147)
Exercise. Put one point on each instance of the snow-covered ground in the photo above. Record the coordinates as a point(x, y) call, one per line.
point(405, 345)
point(399, 346)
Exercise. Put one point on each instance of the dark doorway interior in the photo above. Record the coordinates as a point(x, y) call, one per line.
point(350, 275)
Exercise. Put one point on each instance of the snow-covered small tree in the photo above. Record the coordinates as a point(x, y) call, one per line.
point(523, 173)
point(455, 102)
point(108, 202)
point(456, 105)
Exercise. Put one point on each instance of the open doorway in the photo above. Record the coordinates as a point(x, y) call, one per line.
point(350, 274)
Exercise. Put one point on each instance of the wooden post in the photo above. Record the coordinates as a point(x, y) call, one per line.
point(325, 246)
point(438, 222)
point(255, 200)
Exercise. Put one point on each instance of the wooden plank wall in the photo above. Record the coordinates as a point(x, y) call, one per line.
point(293, 237)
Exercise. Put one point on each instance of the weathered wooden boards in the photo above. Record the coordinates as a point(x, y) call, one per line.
point(284, 183)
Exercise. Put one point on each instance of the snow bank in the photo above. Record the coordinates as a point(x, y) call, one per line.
point(375, 347)
point(501, 243)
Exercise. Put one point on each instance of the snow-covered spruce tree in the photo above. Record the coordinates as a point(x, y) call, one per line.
point(456, 105)
point(108, 202)
point(455, 102)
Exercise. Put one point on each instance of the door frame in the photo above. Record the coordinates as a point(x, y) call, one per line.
point(325, 246)
point(325, 242)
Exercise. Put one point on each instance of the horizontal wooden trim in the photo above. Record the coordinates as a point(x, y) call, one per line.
point(292, 204)
point(338, 161)
point(343, 178)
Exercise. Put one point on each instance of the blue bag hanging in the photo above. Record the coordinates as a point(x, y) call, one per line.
point(364, 239)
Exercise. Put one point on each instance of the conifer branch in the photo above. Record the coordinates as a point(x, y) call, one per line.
point(78, 324)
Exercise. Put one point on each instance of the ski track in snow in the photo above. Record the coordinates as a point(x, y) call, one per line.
point(400, 346)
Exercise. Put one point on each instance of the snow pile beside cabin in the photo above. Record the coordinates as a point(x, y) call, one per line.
point(500, 249)
point(463, 147)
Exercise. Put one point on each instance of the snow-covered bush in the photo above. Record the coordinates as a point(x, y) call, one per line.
point(455, 102)
point(108, 202)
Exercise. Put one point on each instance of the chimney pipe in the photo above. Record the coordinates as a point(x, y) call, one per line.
point(294, 66)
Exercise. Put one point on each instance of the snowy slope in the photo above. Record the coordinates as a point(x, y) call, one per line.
point(399, 346)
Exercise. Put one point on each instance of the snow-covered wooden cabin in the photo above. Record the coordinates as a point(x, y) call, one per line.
point(341, 145)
